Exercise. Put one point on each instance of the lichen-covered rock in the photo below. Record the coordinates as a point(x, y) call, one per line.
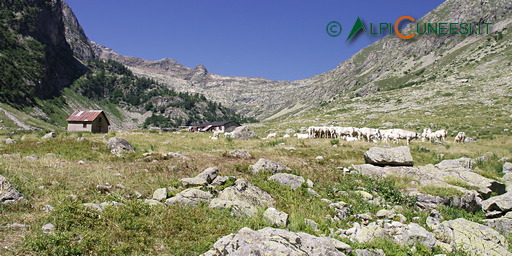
point(243, 133)
point(239, 153)
point(243, 197)
point(414, 233)
point(268, 165)
point(502, 203)
point(451, 164)
point(238, 208)
point(286, 179)
point(368, 233)
point(118, 146)
point(209, 174)
point(502, 224)
point(160, 194)
point(8, 193)
point(272, 241)
point(191, 196)
point(474, 238)
point(275, 217)
point(507, 167)
point(193, 182)
point(400, 156)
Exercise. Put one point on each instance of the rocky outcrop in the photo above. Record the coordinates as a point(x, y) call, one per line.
point(242, 133)
point(119, 146)
point(400, 156)
point(245, 196)
point(271, 241)
point(474, 238)
point(507, 167)
point(8, 193)
point(191, 196)
point(499, 204)
point(268, 165)
point(275, 217)
point(289, 180)
point(502, 224)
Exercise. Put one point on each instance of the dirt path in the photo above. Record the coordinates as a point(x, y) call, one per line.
point(16, 120)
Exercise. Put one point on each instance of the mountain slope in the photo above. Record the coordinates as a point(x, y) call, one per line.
point(389, 63)
point(49, 70)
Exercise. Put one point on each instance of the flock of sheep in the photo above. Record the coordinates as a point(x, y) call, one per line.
point(372, 134)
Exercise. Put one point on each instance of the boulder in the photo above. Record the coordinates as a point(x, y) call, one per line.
point(502, 203)
point(243, 133)
point(193, 182)
point(50, 135)
point(8, 193)
point(250, 196)
point(239, 153)
point(368, 233)
point(10, 141)
point(474, 238)
point(455, 164)
point(268, 165)
point(209, 174)
point(275, 217)
point(238, 208)
point(290, 131)
point(272, 241)
point(286, 179)
point(191, 196)
point(400, 156)
point(507, 167)
point(118, 146)
point(100, 207)
point(160, 194)
point(502, 224)
point(415, 233)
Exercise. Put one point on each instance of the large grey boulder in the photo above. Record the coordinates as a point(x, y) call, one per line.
point(400, 156)
point(474, 238)
point(275, 217)
point(502, 224)
point(243, 133)
point(193, 182)
point(272, 241)
point(268, 165)
point(286, 179)
point(432, 176)
point(243, 197)
point(415, 233)
point(501, 203)
point(455, 164)
point(118, 146)
point(209, 174)
point(8, 193)
point(507, 167)
point(191, 196)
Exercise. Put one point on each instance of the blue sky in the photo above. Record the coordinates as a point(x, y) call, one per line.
point(275, 39)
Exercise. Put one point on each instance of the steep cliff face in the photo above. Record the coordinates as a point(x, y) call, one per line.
point(36, 26)
point(75, 35)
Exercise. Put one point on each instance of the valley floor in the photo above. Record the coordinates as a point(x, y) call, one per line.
point(68, 173)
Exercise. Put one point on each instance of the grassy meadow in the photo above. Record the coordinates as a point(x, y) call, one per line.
point(58, 179)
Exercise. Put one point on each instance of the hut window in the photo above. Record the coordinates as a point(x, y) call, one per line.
point(85, 125)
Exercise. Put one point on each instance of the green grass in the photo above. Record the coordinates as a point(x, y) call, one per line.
point(440, 191)
point(138, 229)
